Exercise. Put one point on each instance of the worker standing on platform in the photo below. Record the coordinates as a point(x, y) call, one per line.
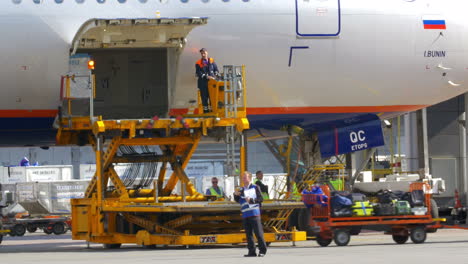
point(215, 189)
point(263, 187)
point(250, 199)
point(206, 69)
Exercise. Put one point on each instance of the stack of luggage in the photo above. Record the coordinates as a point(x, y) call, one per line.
point(383, 203)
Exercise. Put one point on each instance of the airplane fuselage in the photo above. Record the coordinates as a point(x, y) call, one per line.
point(366, 56)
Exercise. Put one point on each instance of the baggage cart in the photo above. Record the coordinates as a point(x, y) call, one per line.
point(340, 229)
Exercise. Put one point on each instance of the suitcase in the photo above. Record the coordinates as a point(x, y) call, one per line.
point(417, 198)
point(419, 210)
point(362, 209)
point(386, 197)
point(358, 197)
point(343, 212)
point(384, 209)
point(402, 208)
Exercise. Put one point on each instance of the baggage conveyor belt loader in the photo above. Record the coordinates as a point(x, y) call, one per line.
point(114, 212)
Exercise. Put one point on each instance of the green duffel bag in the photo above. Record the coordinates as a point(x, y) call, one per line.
point(402, 208)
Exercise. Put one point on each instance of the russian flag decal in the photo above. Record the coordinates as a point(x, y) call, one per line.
point(434, 22)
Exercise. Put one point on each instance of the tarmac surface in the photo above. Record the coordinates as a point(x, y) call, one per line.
point(445, 246)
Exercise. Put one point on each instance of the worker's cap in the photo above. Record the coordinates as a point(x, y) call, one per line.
point(203, 49)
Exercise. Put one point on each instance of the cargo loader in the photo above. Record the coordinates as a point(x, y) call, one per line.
point(139, 207)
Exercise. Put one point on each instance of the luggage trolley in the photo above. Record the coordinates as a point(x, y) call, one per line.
point(339, 229)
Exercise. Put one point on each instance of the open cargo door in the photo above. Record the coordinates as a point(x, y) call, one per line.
point(135, 63)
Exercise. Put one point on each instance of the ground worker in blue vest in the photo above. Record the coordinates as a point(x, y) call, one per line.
point(263, 187)
point(205, 69)
point(215, 189)
point(250, 199)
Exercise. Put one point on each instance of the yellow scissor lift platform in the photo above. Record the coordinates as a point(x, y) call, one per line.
point(113, 213)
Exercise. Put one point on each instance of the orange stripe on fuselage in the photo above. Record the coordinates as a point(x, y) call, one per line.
point(28, 113)
point(251, 111)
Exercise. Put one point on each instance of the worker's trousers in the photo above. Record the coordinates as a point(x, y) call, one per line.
point(254, 225)
point(203, 86)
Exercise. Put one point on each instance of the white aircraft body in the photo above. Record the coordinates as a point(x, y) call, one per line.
point(308, 62)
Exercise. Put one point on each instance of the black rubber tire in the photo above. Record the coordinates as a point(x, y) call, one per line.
point(1, 238)
point(31, 228)
point(399, 239)
point(434, 209)
point(418, 234)
point(19, 230)
point(111, 246)
point(47, 231)
point(341, 237)
point(149, 246)
point(323, 242)
point(59, 228)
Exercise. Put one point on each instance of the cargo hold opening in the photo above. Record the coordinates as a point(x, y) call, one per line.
point(136, 63)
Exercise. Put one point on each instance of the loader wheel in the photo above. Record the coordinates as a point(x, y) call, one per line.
point(58, 228)
point(399, 239)
point(112, 246)
point(47, 231)
point(418, 235)
point(19, 230)
point(1, 238)
point(31, 228)
point(149, 246)
point(323, 242)
point(341, 237)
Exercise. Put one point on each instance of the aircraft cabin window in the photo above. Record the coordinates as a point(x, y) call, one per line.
point(37, 1)
point(184, 1)
point(79, 1)
point(143, 1)
point(225, 1)
point(205, 1)
point(122, 1)
point(16, 1)
point(101, 1)
point(58, 1)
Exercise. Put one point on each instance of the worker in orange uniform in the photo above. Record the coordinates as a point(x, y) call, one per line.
point(205, 69)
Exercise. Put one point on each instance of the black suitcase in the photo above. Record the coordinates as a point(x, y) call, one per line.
point(343, 212)
point(386, 197)
point(384, 209)
point(416, 198)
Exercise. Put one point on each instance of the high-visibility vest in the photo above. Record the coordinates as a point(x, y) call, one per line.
point(265, 195)
point(214, 192)
point(296, 195)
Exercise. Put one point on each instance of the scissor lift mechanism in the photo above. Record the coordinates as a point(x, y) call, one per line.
point(153, 216)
